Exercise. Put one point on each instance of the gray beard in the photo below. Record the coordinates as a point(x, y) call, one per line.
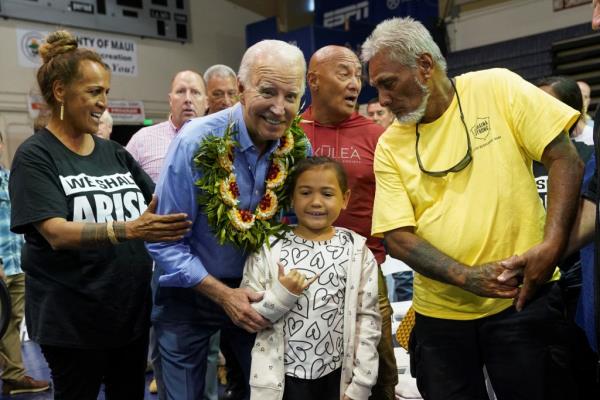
point(415, 116)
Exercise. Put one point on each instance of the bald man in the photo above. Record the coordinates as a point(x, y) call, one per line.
point(187, 100)
point(336, 130)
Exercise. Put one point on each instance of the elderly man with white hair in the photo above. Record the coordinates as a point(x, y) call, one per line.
point(223, 171)
point(455, 197)
point(221, 88)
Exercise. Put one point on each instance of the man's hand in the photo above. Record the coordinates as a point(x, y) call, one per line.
point(236, 304)
point(295, 282)
point(427, 260)
point(538, 264)
point(483, 281)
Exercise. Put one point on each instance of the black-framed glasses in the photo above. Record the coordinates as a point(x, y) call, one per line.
point(462, 164)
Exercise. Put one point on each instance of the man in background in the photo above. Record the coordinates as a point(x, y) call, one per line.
point(221, 88)
point(222, 93)
point(187, 100)
point(585, 230)
point(379, 114)
point(586, 94)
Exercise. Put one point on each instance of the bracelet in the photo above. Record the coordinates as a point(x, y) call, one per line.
point(110, 230)
point(120, 231)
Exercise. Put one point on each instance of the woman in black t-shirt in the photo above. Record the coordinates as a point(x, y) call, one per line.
point(85, 207)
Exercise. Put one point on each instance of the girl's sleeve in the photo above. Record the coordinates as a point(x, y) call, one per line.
point(368, 331)
point(277, 300)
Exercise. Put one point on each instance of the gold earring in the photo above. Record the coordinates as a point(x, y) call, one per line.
point(62, 111)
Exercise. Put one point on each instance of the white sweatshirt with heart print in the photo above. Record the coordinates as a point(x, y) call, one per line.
point(362, 322)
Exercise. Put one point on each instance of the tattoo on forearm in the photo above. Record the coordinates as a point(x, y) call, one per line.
point(120, 232)
point(94, 235)
point(432, 263)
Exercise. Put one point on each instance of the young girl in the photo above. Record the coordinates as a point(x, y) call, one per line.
point(320, 292)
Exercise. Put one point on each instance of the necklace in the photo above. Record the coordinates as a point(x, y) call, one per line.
point(219, 192)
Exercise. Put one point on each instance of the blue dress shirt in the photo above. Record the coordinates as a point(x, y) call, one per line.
point(187, 262)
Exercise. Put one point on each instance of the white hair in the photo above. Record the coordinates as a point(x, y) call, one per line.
point(283, 52)
point(403, 40)
point(219, 70)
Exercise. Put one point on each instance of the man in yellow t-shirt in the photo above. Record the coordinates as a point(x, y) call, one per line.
point(455, 198)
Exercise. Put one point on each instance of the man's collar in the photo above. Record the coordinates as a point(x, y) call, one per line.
point(173, 125)
point(309, 118)
point(244, 137)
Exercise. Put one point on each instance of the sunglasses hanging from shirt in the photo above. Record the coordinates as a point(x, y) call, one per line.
point(462, 164)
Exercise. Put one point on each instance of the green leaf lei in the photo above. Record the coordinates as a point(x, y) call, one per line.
point(218, 192)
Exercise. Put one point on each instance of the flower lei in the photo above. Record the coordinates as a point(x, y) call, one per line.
point(219, 192)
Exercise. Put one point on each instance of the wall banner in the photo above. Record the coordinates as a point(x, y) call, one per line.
point(118, 53)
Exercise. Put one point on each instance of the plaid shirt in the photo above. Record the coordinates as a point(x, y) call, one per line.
point(10, 243)
point(149, 146)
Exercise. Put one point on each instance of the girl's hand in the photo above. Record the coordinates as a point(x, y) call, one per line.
point(295, 282)
point(346, 398)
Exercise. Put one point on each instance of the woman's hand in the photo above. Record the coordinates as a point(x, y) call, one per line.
point(152, 227)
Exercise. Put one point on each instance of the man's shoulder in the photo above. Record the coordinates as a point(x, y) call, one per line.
point(369, 125)
point(354, 121)
point(211, 125)
point(398, 133)
point(154, 129)
point(491, 75)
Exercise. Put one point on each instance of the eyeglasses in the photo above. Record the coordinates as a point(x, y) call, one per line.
point(462, 164)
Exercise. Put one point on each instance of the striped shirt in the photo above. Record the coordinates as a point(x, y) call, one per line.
point(149, 146)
